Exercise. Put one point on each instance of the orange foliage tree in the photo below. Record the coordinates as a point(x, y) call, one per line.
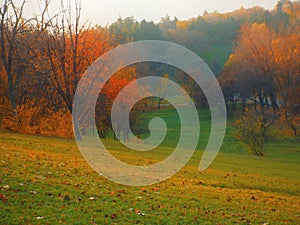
point(287, 53)
point(68, 48)
point(265, 67)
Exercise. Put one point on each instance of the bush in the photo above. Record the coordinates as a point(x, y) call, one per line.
point(57, 124)
point(24, 119)
point(30, 119)
point(251, 131)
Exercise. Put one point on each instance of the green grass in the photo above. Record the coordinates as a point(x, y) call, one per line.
point(46, 181)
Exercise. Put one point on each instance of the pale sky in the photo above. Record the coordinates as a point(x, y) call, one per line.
point(105, 12)
point(108, 11)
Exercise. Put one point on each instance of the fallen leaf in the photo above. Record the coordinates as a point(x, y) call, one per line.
point(155, 189)
point(139, 212)
point(3, 198)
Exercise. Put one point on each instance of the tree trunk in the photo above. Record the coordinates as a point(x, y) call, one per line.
point(266, 101)
point(77, 133)
point(261, 102)
point(243, 104)
point(12, 91)
point(159, 102)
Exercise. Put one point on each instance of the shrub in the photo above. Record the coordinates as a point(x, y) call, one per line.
point(24, 119)
point(251, 131)
point(30, 119)
point(57, 124)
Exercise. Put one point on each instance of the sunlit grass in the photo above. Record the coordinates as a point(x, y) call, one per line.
point(46, 181)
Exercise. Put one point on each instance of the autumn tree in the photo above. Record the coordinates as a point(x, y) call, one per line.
point(254, 50)
point(109, 92)
point(23, 83)
point(287, 53)
point(11, 26)
point(237, 83)
point(69, 48)
point(265, 68)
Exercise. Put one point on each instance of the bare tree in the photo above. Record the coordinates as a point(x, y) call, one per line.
point(68, 50)
point(11, 26)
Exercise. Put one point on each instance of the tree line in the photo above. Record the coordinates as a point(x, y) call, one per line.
point(254, 52)
point(264, 69)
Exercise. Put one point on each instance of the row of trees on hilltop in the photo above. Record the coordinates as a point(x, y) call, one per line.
point(211, 35)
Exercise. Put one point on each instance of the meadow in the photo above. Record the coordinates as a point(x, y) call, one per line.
point(45, 180)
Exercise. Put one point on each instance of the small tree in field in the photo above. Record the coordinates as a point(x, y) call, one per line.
point(251, 131)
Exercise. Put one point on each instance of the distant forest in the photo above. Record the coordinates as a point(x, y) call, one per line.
point(212, 36)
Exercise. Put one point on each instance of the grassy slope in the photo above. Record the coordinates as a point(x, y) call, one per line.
point(47, 177)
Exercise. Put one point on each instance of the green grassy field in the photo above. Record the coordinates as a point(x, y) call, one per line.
point(46, 181)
